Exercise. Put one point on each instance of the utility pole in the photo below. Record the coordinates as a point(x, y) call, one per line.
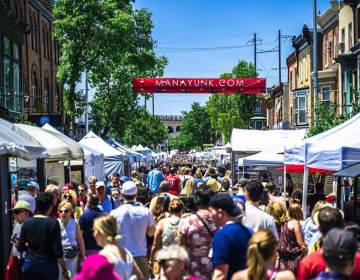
point(279, 48)
point(153, 104)
point(255, 51)
point(87, 103)
point(315, 58)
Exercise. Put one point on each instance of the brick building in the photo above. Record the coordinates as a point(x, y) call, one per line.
point(29, 89)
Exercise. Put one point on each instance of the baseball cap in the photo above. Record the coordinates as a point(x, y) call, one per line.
point(339, 244)
point(129, 188)
point(34, 184)
point(225, 202)
point(243, 182)
point(100, 184)
point(22, 205)
point(124, 179)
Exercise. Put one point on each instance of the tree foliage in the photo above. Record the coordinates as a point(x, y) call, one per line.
point(145, 129)
point(195, 129)
point(327, 117)
point(228, 111)
point(112, 42)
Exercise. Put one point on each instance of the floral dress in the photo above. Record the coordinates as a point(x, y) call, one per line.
point(198, 243)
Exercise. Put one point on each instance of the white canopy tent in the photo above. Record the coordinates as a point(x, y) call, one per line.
point(57, 149)
point(113, 158)
point(17, 142)
point(264, 158)
point(76, 150)
point(94, 164)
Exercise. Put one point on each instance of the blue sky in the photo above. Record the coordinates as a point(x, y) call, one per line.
point(183, 26)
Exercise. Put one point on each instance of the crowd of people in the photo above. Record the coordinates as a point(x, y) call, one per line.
point(179, 220)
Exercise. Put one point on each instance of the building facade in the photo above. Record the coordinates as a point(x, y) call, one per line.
point(173, 124)
point(29, 88)
point(277, 102)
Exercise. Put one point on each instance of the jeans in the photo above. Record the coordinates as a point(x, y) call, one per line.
point(143, 265)
point(37, 269)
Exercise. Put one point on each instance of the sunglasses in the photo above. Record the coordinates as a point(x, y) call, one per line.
point(81, 190)
point(67, 197)
point(64, 211)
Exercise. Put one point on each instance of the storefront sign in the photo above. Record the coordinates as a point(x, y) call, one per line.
point(182, 85)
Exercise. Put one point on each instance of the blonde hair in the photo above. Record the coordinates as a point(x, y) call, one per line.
point(277, 210)
point(198, 174)
point(92, 178)
point(73, 196)
point(262, 246)
point(318, 205)
point(176, 205)
point(295, 212)
point(65, 204)
point(188, 188)
point(107, 227)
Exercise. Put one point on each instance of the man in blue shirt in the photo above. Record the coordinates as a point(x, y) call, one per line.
point(86, 222)
point(106, 202)
point(154, 178)
point(230, 243)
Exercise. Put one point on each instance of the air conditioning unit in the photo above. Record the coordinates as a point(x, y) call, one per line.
point(341, 47)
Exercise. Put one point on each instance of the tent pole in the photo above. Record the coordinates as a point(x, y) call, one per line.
point(285, 180)
point(355, 194)
point(243, 175)
point(305, 189)
point(338, 192)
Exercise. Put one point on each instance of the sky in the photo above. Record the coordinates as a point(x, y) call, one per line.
point(205, 38)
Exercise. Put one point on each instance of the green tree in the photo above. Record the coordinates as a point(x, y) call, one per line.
point(145, 129)
point(112, 42)
point(196, 128)
point(228, 111)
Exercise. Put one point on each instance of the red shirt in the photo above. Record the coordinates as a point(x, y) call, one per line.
point(175, 184)
point(311, 266)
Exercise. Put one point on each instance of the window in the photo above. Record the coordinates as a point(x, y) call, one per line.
point(257, 107)
point(350, 40)
point(290, 79)
point(327, 50)
point(170, 129)
point(178, 128)
point(11, 76)
point(57, 108)
point(44, 43)
point(36, 92)
point(33, 36)
point(301, 107)
point(343, 35)
point(325, 95)
point(47, 96)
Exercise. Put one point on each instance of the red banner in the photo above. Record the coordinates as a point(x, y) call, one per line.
point(182, 85)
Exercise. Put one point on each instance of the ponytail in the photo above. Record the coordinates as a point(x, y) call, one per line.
point(262, 246)
point(255, 263)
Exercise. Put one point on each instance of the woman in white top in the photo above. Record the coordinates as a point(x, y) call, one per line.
point(106, 236)
point(71, 238)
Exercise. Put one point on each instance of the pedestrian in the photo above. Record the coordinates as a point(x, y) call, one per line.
point(106, 202)
point(159, 204)
point(292, 247)
point(255, 218)
point(174, 261)
point(198, 177)
point(339, 249)
point(92, 185)
point(154, 178)
point(135, 222)
point(261, 259)
point(71, 197)
point(309, 226)
point(166, 232)
point(318, 195)
point(55, 191)
point(114, 182)
point(21, 212)
point(33, 188)
point(230, 243)
point(277, 209)
point(189, 188)
point(71, 238)
point(97, 267)
point(313, 264)
point(115, 195)
point(196, 232)
point(106, 236)
point(40, 238)
point(86, 222)
point(82, 196)
point(175, 182)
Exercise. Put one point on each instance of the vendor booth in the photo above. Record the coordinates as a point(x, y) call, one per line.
point(113, 158)
point(16, 143)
